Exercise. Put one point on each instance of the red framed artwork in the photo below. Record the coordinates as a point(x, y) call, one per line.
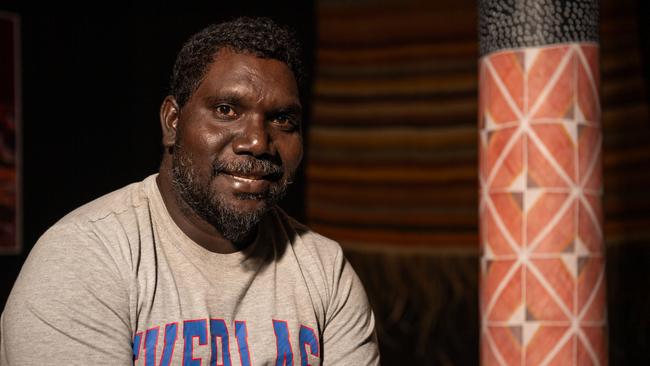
point(10, 237)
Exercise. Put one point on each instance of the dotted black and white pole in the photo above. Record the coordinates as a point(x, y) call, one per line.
point(508, 24)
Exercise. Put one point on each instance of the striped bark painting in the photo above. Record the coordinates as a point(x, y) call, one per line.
point(392, 144)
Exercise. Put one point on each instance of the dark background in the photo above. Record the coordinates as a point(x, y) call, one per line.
point(92, 86)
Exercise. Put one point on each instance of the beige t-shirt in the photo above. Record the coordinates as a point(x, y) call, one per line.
point(116, 282)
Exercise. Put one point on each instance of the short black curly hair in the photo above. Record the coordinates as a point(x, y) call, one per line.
point(259, 36)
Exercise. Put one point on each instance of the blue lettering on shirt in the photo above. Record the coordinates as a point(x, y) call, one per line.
point(307, 337)
point(171, 331)
point(137, 342)
point(218, 330)
point(241, 333)
point(284, 355)
point(150, 343)
point(198, 332)
point(193, 329)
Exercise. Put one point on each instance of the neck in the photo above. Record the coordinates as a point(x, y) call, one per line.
point(195, 227)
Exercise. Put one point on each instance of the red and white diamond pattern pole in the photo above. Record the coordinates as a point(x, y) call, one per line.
point(542, 265)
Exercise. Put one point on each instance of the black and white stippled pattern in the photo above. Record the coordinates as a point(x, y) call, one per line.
point(526, 23)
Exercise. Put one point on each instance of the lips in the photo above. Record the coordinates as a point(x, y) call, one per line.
point(244, 179)
point(248, 177)
point(250, 174)
point(246, 183)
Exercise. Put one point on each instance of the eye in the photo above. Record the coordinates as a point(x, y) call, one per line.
point(286, 121)
point(282, 119)
point(225, 111)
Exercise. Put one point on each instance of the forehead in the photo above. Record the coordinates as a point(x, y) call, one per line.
point(249, 75)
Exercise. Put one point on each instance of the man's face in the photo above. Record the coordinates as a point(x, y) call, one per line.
point(238, 141)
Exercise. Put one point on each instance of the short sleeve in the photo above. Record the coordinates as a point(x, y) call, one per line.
point(69, 305)
point(349, 334)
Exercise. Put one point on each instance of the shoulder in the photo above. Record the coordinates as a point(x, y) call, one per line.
point(348, 322)
point(321, 259)
point(117, 202)
point(111, 219)
point(105, 228)
point(75, 284)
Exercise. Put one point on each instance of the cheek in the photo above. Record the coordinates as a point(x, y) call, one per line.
point(210, 143)
point(291, 152)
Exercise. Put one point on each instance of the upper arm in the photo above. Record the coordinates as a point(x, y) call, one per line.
point(69, 305)
point(349, 334)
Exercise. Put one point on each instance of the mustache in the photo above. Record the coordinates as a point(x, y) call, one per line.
point(249, 166)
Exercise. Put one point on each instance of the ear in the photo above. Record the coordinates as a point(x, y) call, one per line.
point(169, 112)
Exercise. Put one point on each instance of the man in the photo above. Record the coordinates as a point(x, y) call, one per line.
point(196, 265)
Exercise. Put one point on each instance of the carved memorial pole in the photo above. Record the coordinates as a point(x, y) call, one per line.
point(542, 265)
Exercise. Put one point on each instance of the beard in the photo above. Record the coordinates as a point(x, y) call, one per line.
point(234, 224)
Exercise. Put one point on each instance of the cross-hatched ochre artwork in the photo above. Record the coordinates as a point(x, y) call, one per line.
point(543, 285)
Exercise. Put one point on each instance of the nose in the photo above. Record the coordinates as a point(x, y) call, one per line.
point(253, 139)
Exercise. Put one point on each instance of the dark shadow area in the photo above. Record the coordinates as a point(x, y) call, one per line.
point(625, 103)
point(426, 306)
point(628, 301)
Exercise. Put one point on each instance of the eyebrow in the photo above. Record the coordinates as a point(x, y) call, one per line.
point(293, 108)
point(230, 98)
point(235, 98)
